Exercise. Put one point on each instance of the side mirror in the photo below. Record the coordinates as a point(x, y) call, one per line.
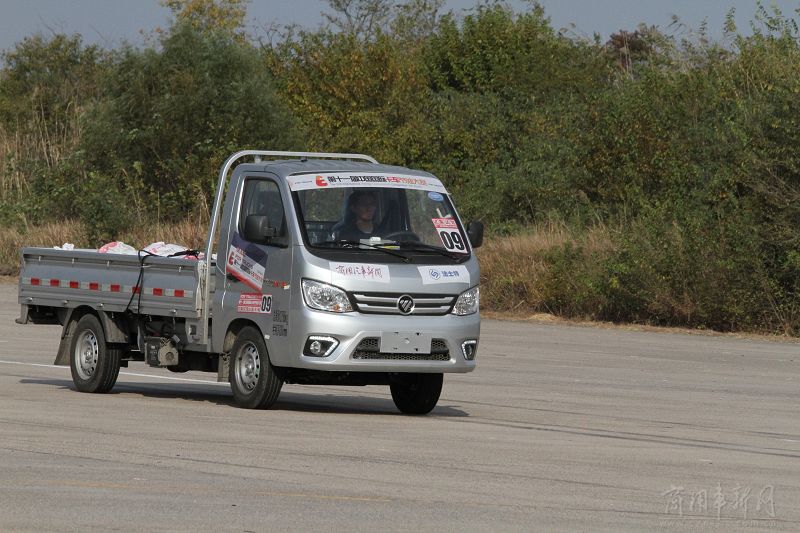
point(475, 233)
point(258, 230)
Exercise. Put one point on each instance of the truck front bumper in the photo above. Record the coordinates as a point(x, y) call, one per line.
point(359, 348)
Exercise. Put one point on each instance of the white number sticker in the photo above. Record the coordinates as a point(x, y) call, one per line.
point(253, 302)
point(451, 236)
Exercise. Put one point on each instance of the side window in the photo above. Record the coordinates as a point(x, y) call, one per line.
point(263, 197)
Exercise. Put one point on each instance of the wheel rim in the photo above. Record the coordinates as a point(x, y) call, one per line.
point(86, 354)
point(248, 367)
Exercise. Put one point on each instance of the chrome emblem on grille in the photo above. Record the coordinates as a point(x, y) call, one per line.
point(405, 304)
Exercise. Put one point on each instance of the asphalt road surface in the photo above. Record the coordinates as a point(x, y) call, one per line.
point(559, 428)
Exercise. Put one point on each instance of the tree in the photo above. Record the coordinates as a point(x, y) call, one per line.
point(361, 18)
point(218, 15)
point(170, 116)
point(416, 20)
point(496, 50)
point(630, 48)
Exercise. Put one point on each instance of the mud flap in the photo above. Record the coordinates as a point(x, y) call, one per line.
point(23, 315)
point(223, 368)
point(62, 357)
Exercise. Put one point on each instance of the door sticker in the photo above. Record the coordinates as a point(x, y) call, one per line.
point(247, 262)
point(359, 271)
point(253, 302)
point(451, 236)
point(443, 274)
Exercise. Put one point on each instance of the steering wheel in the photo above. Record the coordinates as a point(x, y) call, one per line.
point(402, 233)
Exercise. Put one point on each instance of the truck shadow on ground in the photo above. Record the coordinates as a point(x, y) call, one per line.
point(289, 400)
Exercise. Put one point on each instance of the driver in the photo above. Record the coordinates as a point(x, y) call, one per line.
point(363, 205)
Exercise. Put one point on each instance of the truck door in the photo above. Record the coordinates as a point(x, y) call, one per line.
point(257, 274)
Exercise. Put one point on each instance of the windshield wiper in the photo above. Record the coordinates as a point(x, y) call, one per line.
point(420, 246)
point(358, 244)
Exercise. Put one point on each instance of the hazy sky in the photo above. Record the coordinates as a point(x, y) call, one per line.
point(108, 22)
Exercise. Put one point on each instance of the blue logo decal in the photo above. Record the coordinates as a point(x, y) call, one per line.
point(434, 273)
point(435, 196)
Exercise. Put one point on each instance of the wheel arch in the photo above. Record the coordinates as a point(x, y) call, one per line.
point(114, 330)
point(70, 320)
point(227, 345)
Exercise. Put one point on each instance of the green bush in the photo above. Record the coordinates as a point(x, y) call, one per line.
point(104, 209)
point(171, 115)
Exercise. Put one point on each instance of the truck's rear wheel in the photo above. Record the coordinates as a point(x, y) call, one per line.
point(416, 394)
point(254, 383)
point(94, 365)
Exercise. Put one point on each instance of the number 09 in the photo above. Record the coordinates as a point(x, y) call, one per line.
point(452, 240)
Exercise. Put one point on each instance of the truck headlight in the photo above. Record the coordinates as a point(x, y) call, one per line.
point(468, 302)
point(324, 297)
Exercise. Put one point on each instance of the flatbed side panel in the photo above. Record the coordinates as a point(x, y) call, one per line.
point(70, 278)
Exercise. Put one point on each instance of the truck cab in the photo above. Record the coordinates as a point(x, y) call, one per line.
point(351, 272)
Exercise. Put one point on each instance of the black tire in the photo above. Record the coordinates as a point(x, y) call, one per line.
point(254, 383)
point(416, 394)
point(94, 365)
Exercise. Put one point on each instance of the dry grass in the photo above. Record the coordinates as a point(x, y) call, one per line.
point(33, 138)
point(518, 272)
point(190, 233)
point(54, 234)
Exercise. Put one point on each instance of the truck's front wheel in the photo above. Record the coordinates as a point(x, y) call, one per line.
point(94, 365)
point(253, 380)
point(416, 394)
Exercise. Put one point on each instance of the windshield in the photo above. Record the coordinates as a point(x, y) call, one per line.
point(392, 217)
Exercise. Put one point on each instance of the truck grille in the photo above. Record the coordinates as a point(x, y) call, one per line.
point(385, 303)
point(368, 348)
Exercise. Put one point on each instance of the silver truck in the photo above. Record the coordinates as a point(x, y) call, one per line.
point(319, 268)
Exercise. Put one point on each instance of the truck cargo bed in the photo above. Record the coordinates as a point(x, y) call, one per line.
point(111, 282)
